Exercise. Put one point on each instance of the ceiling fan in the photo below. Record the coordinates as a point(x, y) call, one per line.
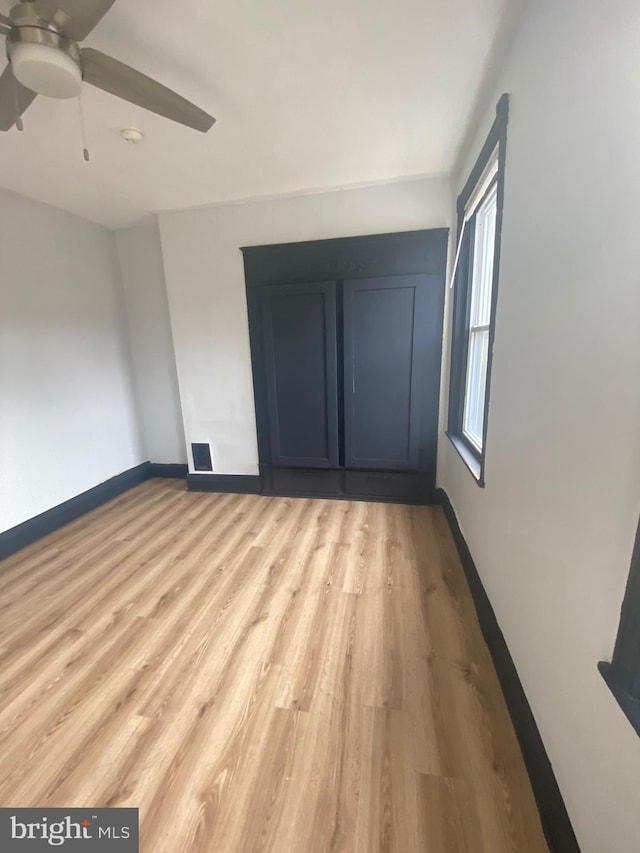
point(44, 58)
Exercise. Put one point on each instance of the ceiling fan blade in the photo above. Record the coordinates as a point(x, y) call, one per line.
point(4, 30)
point(14, 99)
point(83, 14)
point(119, 79)
point(5, 21)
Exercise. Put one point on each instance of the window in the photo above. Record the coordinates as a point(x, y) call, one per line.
point(475, 279)
point(623, 673)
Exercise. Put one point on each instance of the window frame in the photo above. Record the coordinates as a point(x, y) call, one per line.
point(622, 673)
point(460, 331)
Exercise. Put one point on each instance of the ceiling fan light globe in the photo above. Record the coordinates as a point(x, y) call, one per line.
point(46, 70)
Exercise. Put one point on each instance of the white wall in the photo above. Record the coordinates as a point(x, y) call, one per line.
point(552, 532)
point(67, 412)
point(154, 365)
point(205, 283)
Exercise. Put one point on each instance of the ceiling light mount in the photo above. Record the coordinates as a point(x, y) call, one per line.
point(132, 135)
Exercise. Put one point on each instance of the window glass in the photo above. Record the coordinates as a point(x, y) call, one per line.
point(479, 317)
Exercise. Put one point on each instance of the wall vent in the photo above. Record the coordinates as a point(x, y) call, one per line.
point(201, 457)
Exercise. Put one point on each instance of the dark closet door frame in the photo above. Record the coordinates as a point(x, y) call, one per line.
point(371, 256)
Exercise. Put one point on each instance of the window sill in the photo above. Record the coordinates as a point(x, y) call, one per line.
point(468, 458)
point(629, 705)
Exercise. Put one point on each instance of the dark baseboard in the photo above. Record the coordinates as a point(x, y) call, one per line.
point(243, 484)
point(35, 528)
point(169, 469)
point(321, 496)
point(27, 532)
point(401, 487)
point(553, 813)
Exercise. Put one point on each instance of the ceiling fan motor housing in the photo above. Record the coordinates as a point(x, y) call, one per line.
point(45, 61)
point(42, 42)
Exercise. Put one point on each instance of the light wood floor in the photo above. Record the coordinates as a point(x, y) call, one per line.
point(258, 674)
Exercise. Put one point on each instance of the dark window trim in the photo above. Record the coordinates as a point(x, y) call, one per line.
point(622, 675)
point(470, 459)
point(462, 293)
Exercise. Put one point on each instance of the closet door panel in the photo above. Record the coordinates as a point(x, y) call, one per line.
point(383, 371)
point(299, 324)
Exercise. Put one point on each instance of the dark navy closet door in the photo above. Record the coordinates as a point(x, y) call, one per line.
point(384, 329)
point(299, 322)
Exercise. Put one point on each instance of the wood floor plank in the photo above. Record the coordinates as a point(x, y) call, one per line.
point(259, 674)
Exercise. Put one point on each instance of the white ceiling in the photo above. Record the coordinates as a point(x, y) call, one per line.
point(307, 95)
